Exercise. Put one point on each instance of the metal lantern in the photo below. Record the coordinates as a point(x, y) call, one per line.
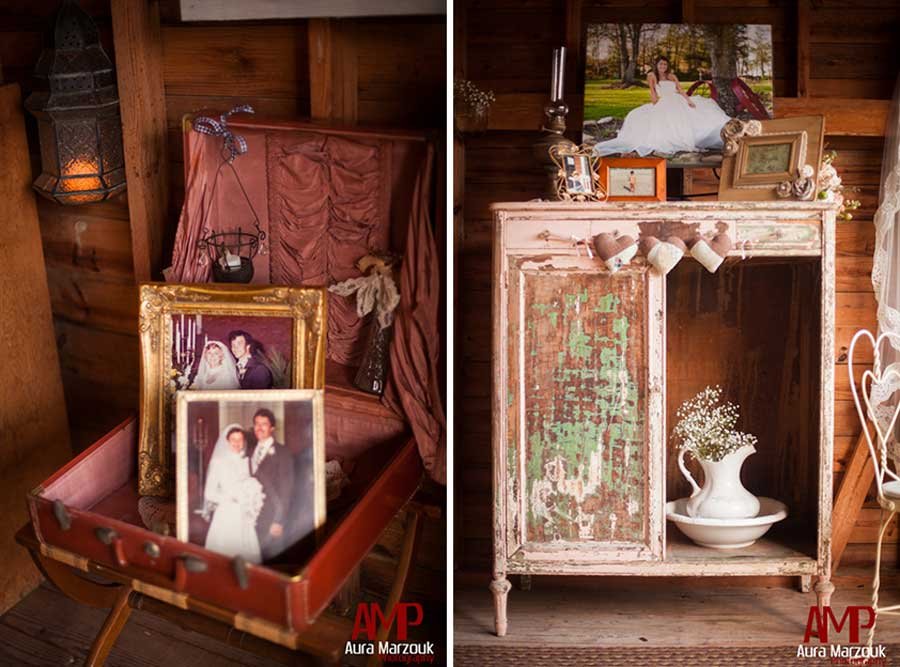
point(77, 107)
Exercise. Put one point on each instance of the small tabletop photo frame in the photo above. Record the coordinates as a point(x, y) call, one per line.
point(771, 159)
point(633, 179)
point(577, 178)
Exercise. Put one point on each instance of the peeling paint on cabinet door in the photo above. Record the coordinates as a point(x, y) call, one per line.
point(581, 338)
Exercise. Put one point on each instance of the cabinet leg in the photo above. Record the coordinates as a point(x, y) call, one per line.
point(824, 589)
point(805, 583)
point(500, 588)
point(525, 582)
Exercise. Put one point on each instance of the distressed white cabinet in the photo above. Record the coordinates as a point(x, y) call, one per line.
point(589, 366)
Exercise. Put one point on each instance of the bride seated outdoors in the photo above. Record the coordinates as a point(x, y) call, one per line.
point(670, 123)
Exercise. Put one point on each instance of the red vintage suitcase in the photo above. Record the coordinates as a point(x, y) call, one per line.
point(87, 513)
point(90, 508)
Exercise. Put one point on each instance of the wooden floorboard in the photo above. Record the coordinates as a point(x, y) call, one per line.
point(654, 614)
point(46, 628)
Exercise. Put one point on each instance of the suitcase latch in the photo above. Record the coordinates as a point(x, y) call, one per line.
point(239, 565)
point(187, 563)
point(111, 537)
point(62, 514)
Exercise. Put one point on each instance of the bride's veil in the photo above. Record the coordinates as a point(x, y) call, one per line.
point(221, 457)
point(228, 364)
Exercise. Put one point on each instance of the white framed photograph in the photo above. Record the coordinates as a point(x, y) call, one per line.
point(250, 470)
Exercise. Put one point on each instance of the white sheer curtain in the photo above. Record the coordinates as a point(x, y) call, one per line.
point(886, 267)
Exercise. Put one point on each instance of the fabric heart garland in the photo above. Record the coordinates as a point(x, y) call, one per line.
point(712, 253)
point(615, 252)
point(663, 255)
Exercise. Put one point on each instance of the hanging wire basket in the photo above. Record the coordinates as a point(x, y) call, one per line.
point(231, 254)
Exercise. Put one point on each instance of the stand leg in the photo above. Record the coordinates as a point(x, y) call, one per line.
point(109, 633)
point(500, 588)
point(876, 580)
point(407, 556)
point(805, 583)
point(344, 603)
point(525, 582)
point(824, 589)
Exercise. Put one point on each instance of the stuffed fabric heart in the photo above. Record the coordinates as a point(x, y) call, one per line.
point(663, 255)
point(615, 252)
point(711, 254)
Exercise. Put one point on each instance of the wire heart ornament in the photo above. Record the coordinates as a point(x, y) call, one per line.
point(882, 384)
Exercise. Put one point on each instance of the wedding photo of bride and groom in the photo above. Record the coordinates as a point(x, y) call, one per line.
point(220, 353)
point(254, 497)
point(236, 365)
point(668, 90)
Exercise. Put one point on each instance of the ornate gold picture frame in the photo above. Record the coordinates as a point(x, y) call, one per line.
point(577, 177)
point(771, 159)
point(216, 336)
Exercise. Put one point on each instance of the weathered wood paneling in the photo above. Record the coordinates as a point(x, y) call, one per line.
point(851, 56)
point(212, 66)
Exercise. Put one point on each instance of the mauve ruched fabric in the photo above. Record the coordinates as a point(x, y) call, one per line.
point(325, 199)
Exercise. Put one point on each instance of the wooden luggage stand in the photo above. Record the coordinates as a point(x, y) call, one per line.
point(324, 639)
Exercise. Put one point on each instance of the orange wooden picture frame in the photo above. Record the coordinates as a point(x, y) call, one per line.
point(659, 164)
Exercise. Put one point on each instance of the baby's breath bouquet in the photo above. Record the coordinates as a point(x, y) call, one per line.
point(471, 106)
point(706, 426)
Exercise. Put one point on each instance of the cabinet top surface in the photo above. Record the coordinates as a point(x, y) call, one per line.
point(805, 207)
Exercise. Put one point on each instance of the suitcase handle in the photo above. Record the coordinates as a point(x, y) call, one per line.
point(111, 537)
point(187, 563)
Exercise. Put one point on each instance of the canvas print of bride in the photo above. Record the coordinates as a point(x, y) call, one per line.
point(666, 90)
point(250, 472)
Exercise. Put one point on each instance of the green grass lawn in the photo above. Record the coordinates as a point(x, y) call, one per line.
point(601, 100)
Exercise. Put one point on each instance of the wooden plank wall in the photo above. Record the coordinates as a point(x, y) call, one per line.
point(505, 46)
point(399, 71)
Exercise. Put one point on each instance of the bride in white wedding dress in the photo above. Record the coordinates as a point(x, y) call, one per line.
point(237, 498)
point(217, 368)
point(671, 123)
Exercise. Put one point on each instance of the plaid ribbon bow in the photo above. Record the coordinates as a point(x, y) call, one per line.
point(235, 144)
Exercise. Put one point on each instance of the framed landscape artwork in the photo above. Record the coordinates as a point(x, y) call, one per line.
point(756, 166)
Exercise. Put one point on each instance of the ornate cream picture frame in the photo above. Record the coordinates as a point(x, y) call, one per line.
point(304, 307)
point(309, 455)
point(578, 175)
point(794, 147)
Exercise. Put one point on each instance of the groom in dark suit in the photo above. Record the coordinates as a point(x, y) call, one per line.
point(272, 464)
point(253, 373)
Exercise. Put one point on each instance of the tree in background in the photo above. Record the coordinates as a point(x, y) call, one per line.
point(727, 45)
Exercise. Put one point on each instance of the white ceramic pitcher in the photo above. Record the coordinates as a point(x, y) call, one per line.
point(722, 496)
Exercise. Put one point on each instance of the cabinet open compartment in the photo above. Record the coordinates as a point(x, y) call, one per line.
point(754, 328)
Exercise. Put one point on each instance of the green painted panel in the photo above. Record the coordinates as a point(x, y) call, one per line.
point(585, 403)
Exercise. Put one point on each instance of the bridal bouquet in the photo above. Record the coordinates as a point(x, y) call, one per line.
point(831, 188)
point(251, 498)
